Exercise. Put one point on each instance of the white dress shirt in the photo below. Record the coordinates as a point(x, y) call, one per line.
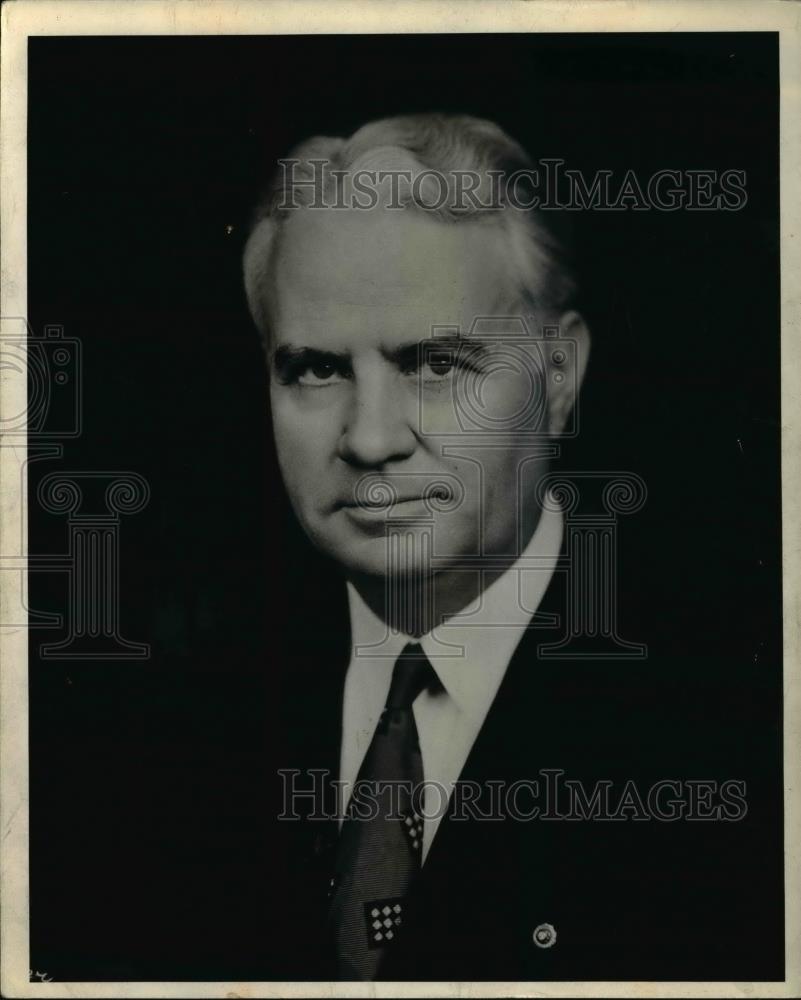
point(470, 653)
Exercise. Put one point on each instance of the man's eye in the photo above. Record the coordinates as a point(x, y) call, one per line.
point(439, 363)
point(323, 372)
point(433, 367)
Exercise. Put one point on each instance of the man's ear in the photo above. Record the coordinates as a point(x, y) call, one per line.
point(563, 392)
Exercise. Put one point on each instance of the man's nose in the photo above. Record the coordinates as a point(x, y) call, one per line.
point(377, 428)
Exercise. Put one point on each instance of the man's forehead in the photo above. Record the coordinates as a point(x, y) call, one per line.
point(388, 258)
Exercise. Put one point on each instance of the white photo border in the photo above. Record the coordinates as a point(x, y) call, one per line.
point(22, 19)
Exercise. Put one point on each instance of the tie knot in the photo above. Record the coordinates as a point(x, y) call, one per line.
point(412, 673)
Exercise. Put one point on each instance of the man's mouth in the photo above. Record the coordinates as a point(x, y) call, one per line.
point(372, 495)
point(379, 504)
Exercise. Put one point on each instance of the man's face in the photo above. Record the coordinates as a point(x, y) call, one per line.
point(359, 410)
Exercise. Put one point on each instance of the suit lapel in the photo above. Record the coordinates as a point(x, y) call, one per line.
point(470, 889)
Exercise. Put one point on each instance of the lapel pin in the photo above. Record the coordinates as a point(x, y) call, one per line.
point(544, 935)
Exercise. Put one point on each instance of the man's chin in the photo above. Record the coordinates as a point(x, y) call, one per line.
point(376, 558)
point(360, 561)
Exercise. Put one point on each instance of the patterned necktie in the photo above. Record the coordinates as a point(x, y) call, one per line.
point(380, 846)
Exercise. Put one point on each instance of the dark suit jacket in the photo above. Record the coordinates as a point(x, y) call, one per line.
point(172, 864)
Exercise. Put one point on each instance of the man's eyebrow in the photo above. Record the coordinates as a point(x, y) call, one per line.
point(291, 356)
point(443, 341)
point(288, 354)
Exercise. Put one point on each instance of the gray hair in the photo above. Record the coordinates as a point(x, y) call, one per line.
point(448, 146)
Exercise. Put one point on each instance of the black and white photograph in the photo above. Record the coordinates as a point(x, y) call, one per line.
point(399, 439)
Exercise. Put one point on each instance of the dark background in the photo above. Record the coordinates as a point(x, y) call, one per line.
point(145, 157)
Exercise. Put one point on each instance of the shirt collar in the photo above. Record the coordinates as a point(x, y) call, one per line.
point(471, 651)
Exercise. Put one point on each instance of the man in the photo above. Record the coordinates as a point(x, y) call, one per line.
point(425, 355)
